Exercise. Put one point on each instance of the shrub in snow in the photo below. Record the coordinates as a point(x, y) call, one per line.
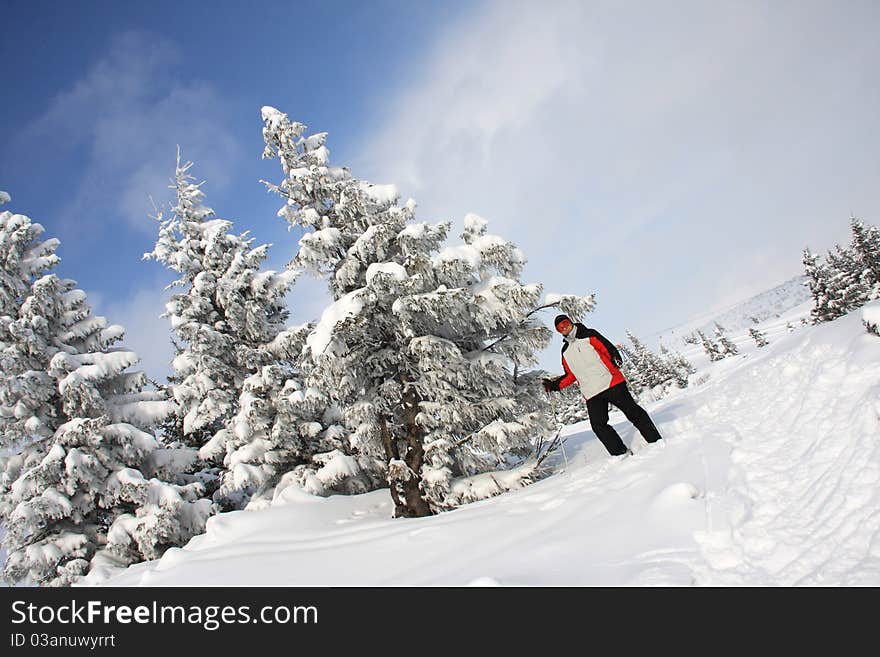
point(74, 417)
point(425, 350)
point(871, 318)
point(759, 337)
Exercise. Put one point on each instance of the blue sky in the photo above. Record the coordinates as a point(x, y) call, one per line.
point(670, 157)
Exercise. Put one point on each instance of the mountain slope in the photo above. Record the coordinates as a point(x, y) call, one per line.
point(767, 308)
point(768, 475)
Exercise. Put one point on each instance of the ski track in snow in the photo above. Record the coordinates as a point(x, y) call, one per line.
point(768, 475)
point(802, 503)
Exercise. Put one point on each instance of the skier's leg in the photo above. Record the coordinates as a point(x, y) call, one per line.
point(597, 407)
point(620, 396)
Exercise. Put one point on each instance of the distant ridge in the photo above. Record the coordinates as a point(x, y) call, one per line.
point(740, 316)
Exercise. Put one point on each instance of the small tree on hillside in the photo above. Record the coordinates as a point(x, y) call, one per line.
point(724, 345)
point(679, 367)
point(866, 246)
point(759, 337)
point(709, 347)
point(847, 284)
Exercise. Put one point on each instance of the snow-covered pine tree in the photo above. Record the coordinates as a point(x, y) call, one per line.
point(236, 374)
point(630, 368)
point(709, 347)
point(426, 350)
point(23, 257)
point(818, 276)
point(678, 366)
point(866, 245)
point(724, 345)
point(645, 370)
point(847, 287)
point(286, 432)
point(651, 370)
point(83, 445)
point(759, 337)
point(569, 406)
point(223, 319)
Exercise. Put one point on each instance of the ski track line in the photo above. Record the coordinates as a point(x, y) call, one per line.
point(807, 483)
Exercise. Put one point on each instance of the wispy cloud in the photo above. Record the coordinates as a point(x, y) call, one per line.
point(146, 332)
point(127, 115)
point(646, 151)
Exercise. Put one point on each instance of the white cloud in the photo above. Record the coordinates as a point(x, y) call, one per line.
point(128, 113)
point(146, 332)
point(665, 156)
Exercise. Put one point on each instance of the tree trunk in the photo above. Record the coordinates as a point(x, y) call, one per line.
point(417, 506)
point(391, 454)
point(404, 482)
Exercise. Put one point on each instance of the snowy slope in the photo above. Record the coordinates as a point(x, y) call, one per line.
point(769, 475)
point(767, 306)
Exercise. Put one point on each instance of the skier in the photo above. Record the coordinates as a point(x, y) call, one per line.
point(594, 363)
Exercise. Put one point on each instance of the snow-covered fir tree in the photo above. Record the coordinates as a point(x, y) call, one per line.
point(427, 350)
point(23, 257)
point(287, 433)
point(75, 484)
point(866, 248)
point(817, 279)
point(759, 337)
point(649, 369)
point(848, 288)
point(848, 278)
point(678, 366)
point(723, 344)
point(236, 374)
point(644, 370)
point(568, 406)
point(709, 347)
point(226, 313)
point(631, 371)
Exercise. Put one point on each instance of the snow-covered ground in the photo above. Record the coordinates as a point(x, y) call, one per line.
point(769, 475)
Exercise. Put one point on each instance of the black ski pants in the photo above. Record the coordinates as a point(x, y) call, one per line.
point(619, 395)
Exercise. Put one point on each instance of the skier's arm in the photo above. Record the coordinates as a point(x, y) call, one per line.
point(560, 382)
point(616, 358)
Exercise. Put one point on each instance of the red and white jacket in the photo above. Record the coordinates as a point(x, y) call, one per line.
point(591, 361)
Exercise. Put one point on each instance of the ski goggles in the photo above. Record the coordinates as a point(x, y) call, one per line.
point(563, 326)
